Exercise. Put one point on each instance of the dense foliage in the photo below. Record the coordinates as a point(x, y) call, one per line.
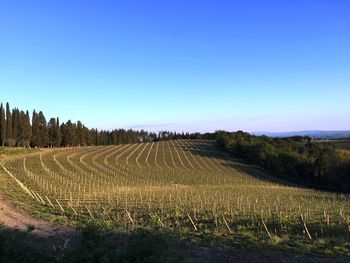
point(18, 129)
point(95, 243)
point(298, 158)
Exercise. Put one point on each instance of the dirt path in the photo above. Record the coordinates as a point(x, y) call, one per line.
point(51, 235)
point(15, 219)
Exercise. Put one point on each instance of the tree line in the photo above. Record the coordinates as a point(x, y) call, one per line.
point(297, 158)
point(18, 128)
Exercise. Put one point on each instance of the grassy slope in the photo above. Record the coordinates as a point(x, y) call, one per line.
point(244, 225)
point(344, 154)
point(13, 151)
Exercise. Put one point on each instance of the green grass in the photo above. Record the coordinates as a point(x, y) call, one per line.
point(96, 243)
point(343, 154)
point(12, 151)
point(188, 189)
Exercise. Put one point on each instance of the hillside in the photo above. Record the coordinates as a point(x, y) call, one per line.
point(311, 133)
point(184, 187)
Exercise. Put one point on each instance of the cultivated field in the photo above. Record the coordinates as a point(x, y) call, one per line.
point(184, 186)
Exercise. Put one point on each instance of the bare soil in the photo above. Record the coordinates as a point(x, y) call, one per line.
point(47, 234)
point(2, 156)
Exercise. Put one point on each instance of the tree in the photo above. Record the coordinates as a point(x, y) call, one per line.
point(28, 130)
point(58, 136)
point(24, 130)
point(87, 136)
point(54, 133)
point(52, 126)
point(2, 125)
point(69, 136)
point(95, 136)
point(80, 136)
point(16, 129)
point(9, 139)
point(35, 141)
point(15, 120)
point(43, 130)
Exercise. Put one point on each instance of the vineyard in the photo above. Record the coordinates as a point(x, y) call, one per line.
point(185, 186)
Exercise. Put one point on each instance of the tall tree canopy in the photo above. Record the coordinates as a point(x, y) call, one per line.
point(2, 125)
point(18, 129)
point(9, 138)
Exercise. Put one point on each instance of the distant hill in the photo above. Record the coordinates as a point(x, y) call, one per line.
point(313, 134)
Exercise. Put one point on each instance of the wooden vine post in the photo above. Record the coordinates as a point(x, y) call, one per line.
point(305, 227)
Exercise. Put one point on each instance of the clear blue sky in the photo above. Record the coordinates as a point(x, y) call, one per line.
point(180, 65)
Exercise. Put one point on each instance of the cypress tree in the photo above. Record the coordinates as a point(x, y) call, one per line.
point(15, 120)
point(52, 131)
point(58, 137)
point(63, 133)
point(20, 130)
point(2, 125)
point(87, 136)
point(24, 130)
point(35, 141)
point(43, 130)
point(27, 129)
point(80, 135)
point(16, 129)
point(9, 139)
point(69, 135)
point(96, 137)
